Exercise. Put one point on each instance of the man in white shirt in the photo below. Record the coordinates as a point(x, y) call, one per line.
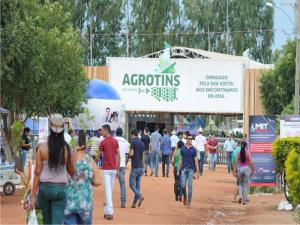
point(174, 139)
point(229, 146)
point(200, 144)
point(124, 153)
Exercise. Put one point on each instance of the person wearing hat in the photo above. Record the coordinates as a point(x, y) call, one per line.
point(174, 140)
point(200, 144)
point(229, 146)
point(54, 163)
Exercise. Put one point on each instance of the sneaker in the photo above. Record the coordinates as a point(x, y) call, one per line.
point(108, 217)
point(123, 205)
point(133, 205)
point(140, 201)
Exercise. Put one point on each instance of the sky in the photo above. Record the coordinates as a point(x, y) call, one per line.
point(283, 27)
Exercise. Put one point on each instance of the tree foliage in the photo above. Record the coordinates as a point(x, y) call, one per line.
point(41, 66)
point(202, 24)
point(102, 18)
point(277, 86)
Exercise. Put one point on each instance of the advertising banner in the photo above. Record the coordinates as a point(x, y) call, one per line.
point(178, 85)
point(43, 129)
point(290, 126)
point(262, 133)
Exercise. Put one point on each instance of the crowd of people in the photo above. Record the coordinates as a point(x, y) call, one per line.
point(63, 176)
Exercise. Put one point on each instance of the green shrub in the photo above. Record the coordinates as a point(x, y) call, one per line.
point(281, 148)
point(292, 165)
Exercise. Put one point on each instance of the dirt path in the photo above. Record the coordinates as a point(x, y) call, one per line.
point(211, 204)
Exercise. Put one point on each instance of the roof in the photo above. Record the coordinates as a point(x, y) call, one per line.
point(193, 53)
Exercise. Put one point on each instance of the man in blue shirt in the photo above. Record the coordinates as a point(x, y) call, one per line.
point(137, 149)
point(188, 163)
point(166, 151)
point(155, 143)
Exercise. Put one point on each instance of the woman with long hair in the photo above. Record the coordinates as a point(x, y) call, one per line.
point(245, 169)
point(54, 161)
point(79, 188)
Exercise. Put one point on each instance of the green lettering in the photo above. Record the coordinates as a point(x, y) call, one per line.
point(176, 80)
point(142, 79)
point(134, 79)
point(169, 80)
point(157, 79)
point(126, 79)
point(149, 80)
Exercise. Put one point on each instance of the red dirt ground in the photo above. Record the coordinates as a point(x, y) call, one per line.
point(211, 204)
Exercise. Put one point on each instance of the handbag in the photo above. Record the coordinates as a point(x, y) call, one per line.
point(35, 217)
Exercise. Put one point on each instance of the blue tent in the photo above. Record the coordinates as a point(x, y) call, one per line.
point(33, 125)
point(101, 90)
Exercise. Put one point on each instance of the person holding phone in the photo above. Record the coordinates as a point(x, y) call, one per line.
point(188, 164)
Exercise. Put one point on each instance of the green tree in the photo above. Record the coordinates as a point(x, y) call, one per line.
point(103, 19)
point(250, 26)
point(41, 59)
point(277, 86)
point(152, 23)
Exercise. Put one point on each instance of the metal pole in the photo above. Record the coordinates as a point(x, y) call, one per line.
point(91, 36)
point(297, 75)
point(227, 28)
point(127, 28)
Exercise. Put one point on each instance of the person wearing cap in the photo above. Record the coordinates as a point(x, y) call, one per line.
point(124, 155)
point(109, 147)
point(229, 146)
point(25, 146)
point(54, 163)
point(200, 144)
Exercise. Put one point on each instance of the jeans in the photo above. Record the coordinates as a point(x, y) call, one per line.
point(213, 158)
point(109, 177)
point(135, 182)
point(178, 177)
point(147, 161)
point(165, 161)
point(155, 155)
point(187, 175)
point(243, 180)
point(201, 162)
point(229, 161)
point(23, 157)
point(122, 184)
point(52, 201)
point(80, 217)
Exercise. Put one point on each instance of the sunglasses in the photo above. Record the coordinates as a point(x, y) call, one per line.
point(189, 138)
